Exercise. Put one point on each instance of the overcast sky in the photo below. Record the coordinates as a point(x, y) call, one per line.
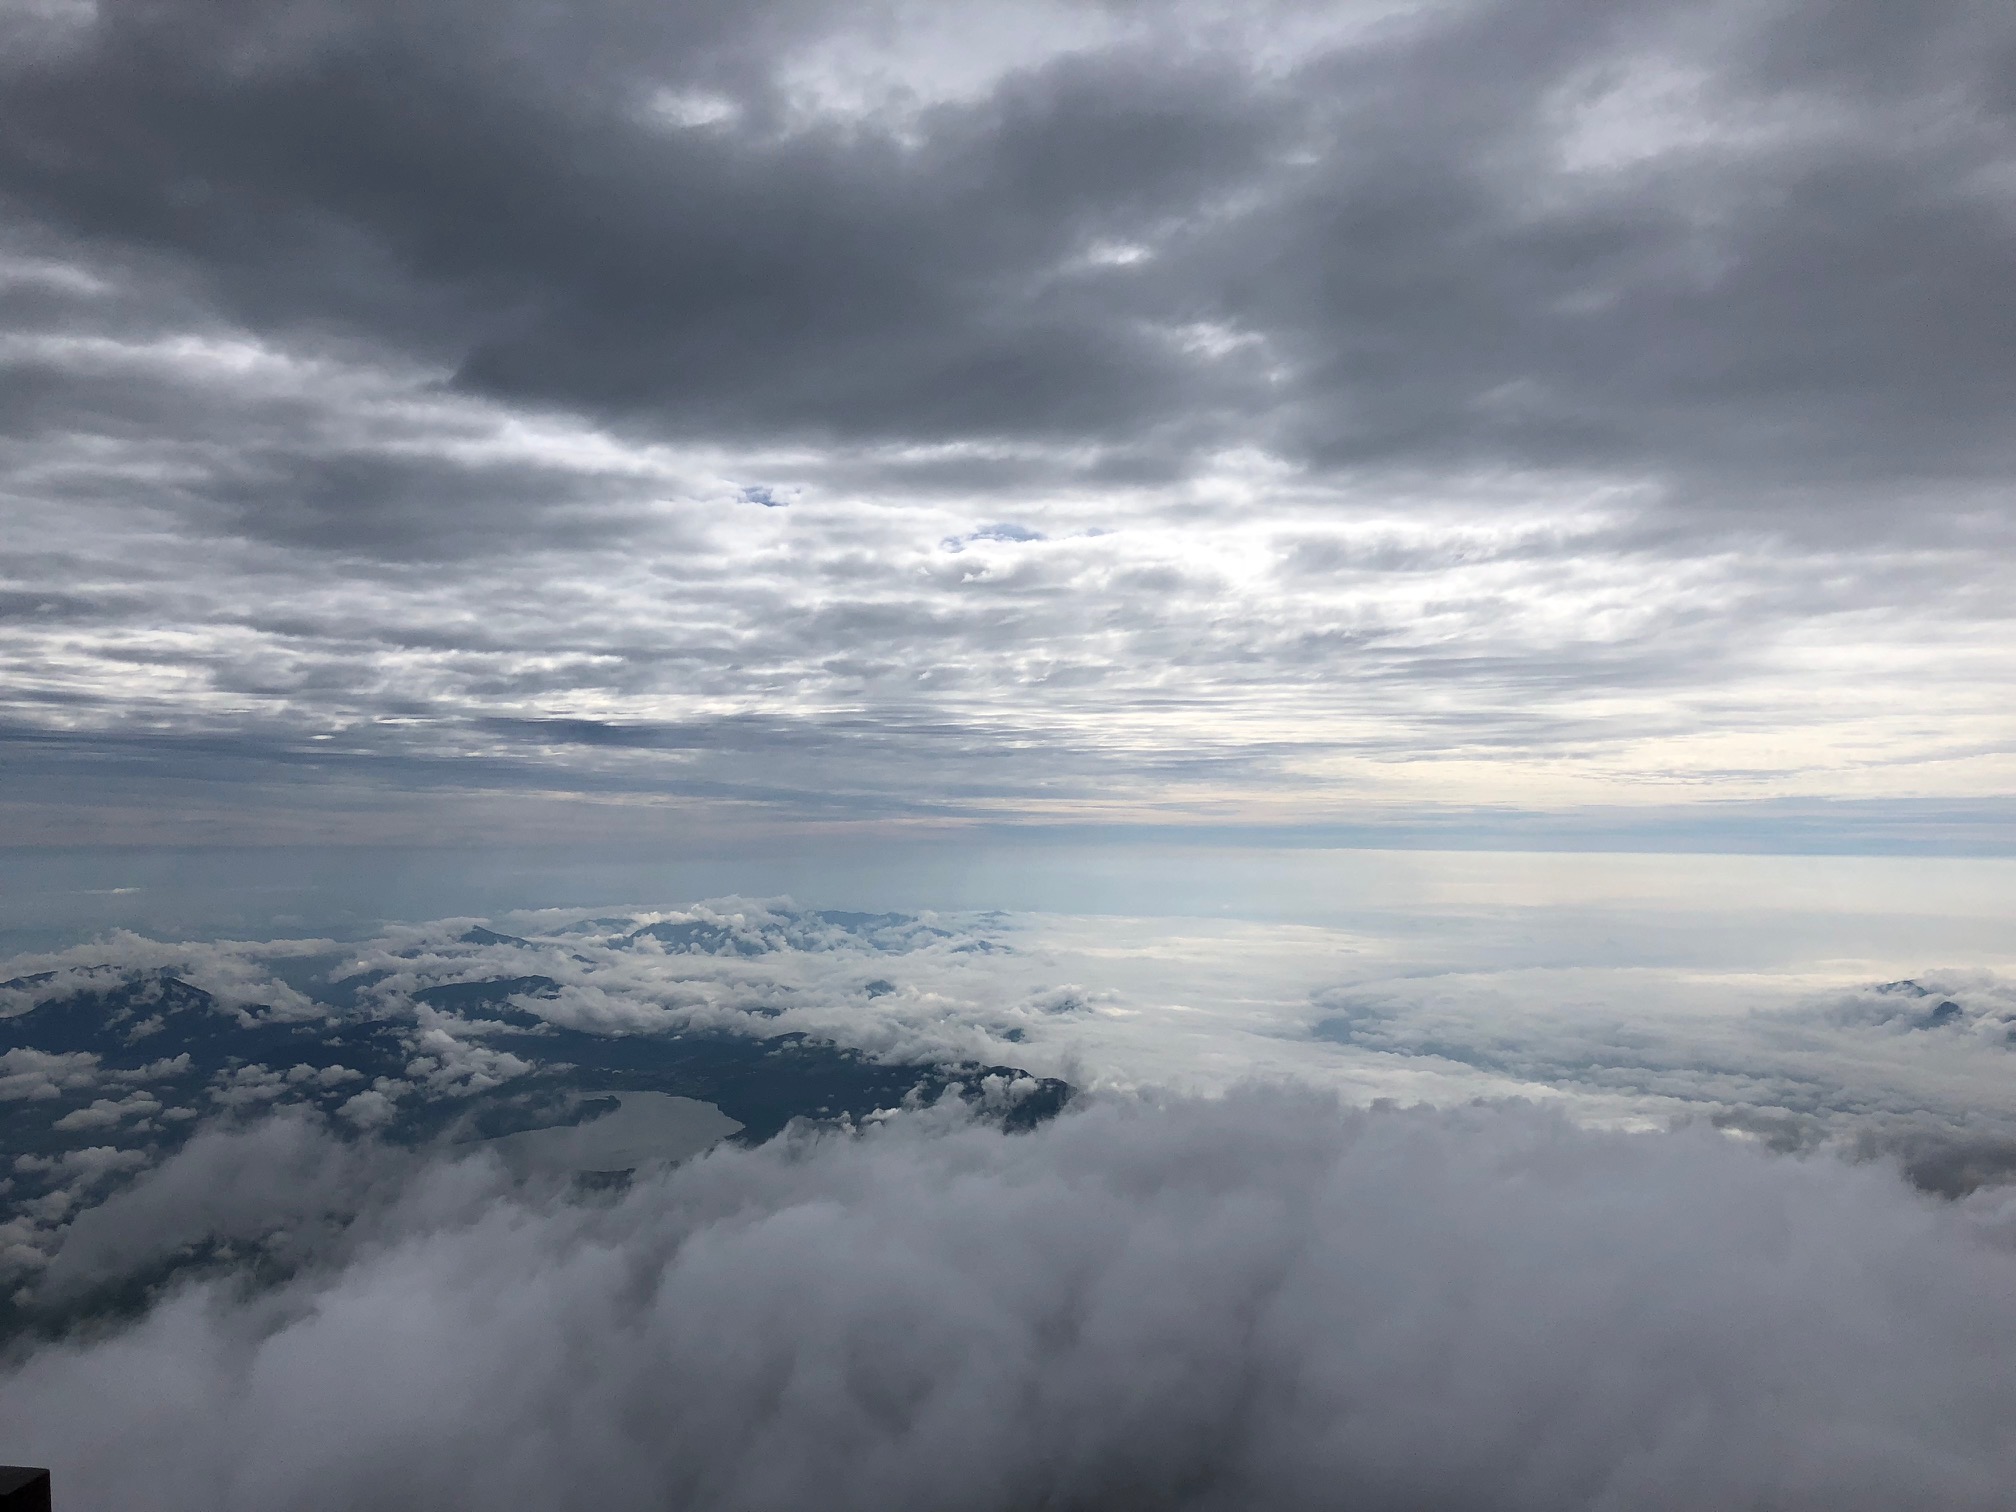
point(699, 417)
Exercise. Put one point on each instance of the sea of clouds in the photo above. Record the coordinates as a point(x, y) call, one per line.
point(1918, 1066)
point(1315, 1231)
point(1260, 1300)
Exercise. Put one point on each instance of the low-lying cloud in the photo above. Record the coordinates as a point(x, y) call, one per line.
point(1257, 1302)
point(415, 1032)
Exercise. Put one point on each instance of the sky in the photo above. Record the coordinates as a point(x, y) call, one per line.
point(723, 429)
point(1405, 609)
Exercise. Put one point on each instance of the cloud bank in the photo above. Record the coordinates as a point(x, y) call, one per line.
point(113, 1054)
point(1263, 1301)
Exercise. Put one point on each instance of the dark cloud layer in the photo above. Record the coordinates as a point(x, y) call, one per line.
point(1263, 1302)
point(1672, 236)
point(1209, 408)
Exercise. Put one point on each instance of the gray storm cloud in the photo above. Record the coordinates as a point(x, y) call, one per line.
point(1263, 1301)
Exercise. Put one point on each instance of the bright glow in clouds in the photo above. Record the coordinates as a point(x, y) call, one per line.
point(1241, 649)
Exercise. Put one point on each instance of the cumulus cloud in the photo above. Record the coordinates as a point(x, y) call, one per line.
point(246, 1086)
point(155, 974)
point(26, 1073)
point(92, 1163)
point(1258, 1302)
point(106, 1113)
point(371, 1108)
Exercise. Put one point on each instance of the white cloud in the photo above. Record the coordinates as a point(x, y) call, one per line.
point(445, 1062)
point(247, 1086)
point(105, 1112)
point(91, 1164)
point(26, 1073)
point(1244, 1303)
point(324, 1077)
point(369, 1109)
